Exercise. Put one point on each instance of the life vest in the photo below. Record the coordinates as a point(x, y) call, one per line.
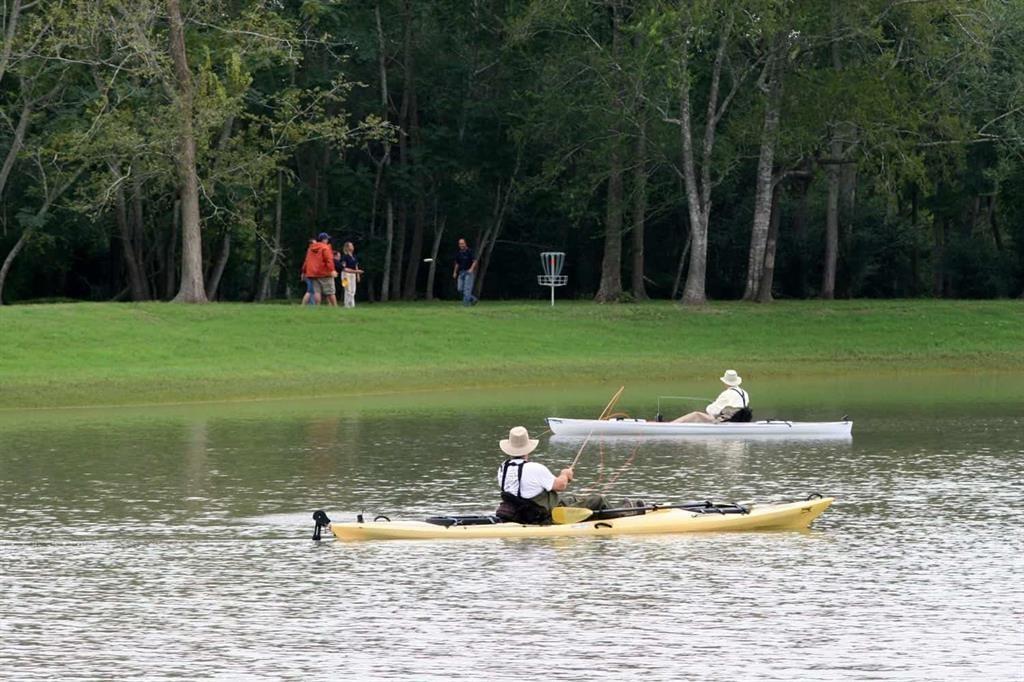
point(534, 510)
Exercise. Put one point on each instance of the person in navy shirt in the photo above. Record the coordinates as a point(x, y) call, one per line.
point(464, 272)
point(351, 274)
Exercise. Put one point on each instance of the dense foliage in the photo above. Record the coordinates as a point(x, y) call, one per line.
point(672, 148)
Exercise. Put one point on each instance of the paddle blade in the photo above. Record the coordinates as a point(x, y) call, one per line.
point(562, 515)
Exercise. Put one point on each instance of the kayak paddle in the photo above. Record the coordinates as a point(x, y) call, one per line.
point(561, 515)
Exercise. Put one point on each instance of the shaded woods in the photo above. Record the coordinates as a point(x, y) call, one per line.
point(188, 149)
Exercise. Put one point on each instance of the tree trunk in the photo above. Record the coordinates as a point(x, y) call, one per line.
point(993, 223)
point(696, 276)
point(16, 143)
point(698, 197)
point(763, 193)
point(438, 234)
point(419, 207)
point(611, 264)
point(11, 255)
point(257, 271)
point(404, 156)
point(39, 219)
point(489, 236)
point(218, 268)
point(379, 182)
point(803, 187)
point(136, 281)
point(389, 235)
point(610, 290)
point(694, 289)
point(399, 250)
point(764, 289)
point(8, 44)
point(485, 264)
point(192, 289)
point(938, 257)
point(639, 212)
point(418, 214)
point(828, 275)
point(276, 248)
point(416, 248)
point(171, 265)
point(486, 248)
point(847, 198)
point(682, 265)
point(138, 226)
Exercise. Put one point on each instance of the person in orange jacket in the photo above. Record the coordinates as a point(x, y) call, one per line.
point(319, 268)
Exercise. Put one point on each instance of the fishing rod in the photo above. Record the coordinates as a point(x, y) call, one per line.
point(604, 412)
point(694, 398)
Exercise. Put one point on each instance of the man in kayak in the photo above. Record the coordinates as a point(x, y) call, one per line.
point(731, 405)
point(529, 491)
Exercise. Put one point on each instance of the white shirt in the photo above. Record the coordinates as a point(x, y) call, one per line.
point(536, 478)
point(734, 396)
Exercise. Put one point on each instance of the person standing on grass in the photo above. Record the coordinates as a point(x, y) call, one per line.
point(319, 267)
point(464, 272)
point(350, 273)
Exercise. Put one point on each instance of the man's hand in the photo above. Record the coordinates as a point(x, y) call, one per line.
point(567, 472)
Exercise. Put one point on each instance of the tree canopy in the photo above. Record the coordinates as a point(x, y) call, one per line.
point(757, 149)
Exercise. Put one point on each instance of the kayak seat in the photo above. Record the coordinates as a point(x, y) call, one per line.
point(448, 521)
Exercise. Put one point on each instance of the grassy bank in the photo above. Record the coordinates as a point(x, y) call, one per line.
point(89, 354)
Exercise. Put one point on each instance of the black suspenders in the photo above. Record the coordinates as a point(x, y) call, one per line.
point(742, 393)
point(504, 473)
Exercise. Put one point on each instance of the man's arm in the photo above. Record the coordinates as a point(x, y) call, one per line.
point(721, 402)
point(562, 480)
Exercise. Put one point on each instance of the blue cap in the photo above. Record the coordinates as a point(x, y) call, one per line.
point(324, 237)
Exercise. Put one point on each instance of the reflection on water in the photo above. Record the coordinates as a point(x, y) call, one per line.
point(177, 545)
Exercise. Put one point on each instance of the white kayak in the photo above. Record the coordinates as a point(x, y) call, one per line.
point(641, 427)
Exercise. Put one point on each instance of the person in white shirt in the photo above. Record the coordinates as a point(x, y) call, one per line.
point(732, 404)
point(529, 491)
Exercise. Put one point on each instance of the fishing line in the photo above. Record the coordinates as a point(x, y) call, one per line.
point(620, 470)
point(602, 416)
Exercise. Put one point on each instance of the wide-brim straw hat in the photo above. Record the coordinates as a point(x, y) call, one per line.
point(518, 442)
point(731, 378)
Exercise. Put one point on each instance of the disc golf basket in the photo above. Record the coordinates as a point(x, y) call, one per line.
point(552, 262)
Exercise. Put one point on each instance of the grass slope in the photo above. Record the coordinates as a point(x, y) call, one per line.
point(91, 354)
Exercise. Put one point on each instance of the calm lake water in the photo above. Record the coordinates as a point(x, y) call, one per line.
point(175, 542)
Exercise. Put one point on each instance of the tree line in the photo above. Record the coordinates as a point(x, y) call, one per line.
point(187, 150)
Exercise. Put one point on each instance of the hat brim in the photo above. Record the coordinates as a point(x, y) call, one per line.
point(731, 382)
point(506, 446)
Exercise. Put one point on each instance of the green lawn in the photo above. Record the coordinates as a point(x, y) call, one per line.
point(111, 354)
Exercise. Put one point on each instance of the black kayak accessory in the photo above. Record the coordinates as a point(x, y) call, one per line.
point(321, 521)
point(449, 521)
point(704, 507)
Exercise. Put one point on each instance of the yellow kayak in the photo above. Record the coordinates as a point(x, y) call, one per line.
point(771, 516)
